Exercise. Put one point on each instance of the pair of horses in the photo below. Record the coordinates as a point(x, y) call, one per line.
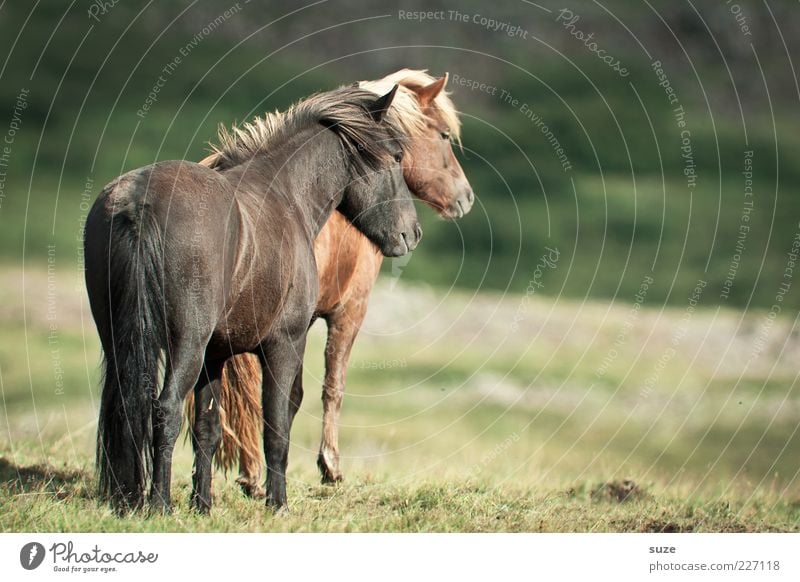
point(189, 265)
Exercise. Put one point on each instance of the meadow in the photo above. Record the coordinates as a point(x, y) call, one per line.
point(597, 346)
point(464, 412)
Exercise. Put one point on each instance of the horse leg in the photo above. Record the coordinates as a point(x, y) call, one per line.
point(296, 397)
point(249, 466)
point(183, 370)
point(206, 433)
point(281, 360)
point(343, 326)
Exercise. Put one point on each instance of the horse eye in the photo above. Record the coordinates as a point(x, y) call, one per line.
point(398, 157)
point(445, 135)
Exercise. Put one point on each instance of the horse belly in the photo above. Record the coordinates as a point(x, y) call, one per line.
point(277, 298)
point(245, 326)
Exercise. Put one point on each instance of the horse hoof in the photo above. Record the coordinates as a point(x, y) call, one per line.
point(330, 478)
point(282, 511)
point(161, 509)
point(278, 506)
point(200, 505)
point(252, 490)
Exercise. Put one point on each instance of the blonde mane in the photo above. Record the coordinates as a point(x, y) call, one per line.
point(240, 143)
point(405, 108)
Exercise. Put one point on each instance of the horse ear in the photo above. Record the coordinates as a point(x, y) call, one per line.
point(380, 106)
point(428, 93)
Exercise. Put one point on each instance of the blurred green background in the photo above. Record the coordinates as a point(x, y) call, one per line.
point(622, 209)
point(488, 389)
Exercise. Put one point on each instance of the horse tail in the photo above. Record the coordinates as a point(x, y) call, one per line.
point(240, 417)
point(241, 398)
point(137, 335)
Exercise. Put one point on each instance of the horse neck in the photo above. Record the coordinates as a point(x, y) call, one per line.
point(310, 171)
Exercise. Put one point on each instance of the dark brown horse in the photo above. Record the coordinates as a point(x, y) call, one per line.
point(348, 265)
point(202, 265)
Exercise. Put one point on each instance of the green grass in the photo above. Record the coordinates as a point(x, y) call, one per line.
point(452, 422)
point(62, 500)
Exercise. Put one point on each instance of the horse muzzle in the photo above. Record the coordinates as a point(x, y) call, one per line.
point(461, 205)
point(404, 242)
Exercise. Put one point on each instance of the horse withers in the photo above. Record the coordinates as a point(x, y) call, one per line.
point(194, 265)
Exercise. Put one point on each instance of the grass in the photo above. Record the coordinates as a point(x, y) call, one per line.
point(452, 422)
point(62, 500)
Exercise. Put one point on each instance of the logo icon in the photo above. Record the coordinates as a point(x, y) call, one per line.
point(31, 555)
point(398, 266)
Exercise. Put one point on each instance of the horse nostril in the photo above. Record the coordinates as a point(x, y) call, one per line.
point(470, 195)
point(418, 231)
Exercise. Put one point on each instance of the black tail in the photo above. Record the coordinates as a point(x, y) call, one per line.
point(135, 299)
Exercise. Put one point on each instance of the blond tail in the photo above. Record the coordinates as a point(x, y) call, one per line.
point(240, 416)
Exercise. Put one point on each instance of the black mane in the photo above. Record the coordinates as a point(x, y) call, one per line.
point(345, 111)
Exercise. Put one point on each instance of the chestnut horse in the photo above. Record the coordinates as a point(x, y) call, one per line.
point(204, 264)
point(348, 265)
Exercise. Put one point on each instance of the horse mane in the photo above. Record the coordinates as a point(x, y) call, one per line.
point(405, 109)
point(344, 111)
